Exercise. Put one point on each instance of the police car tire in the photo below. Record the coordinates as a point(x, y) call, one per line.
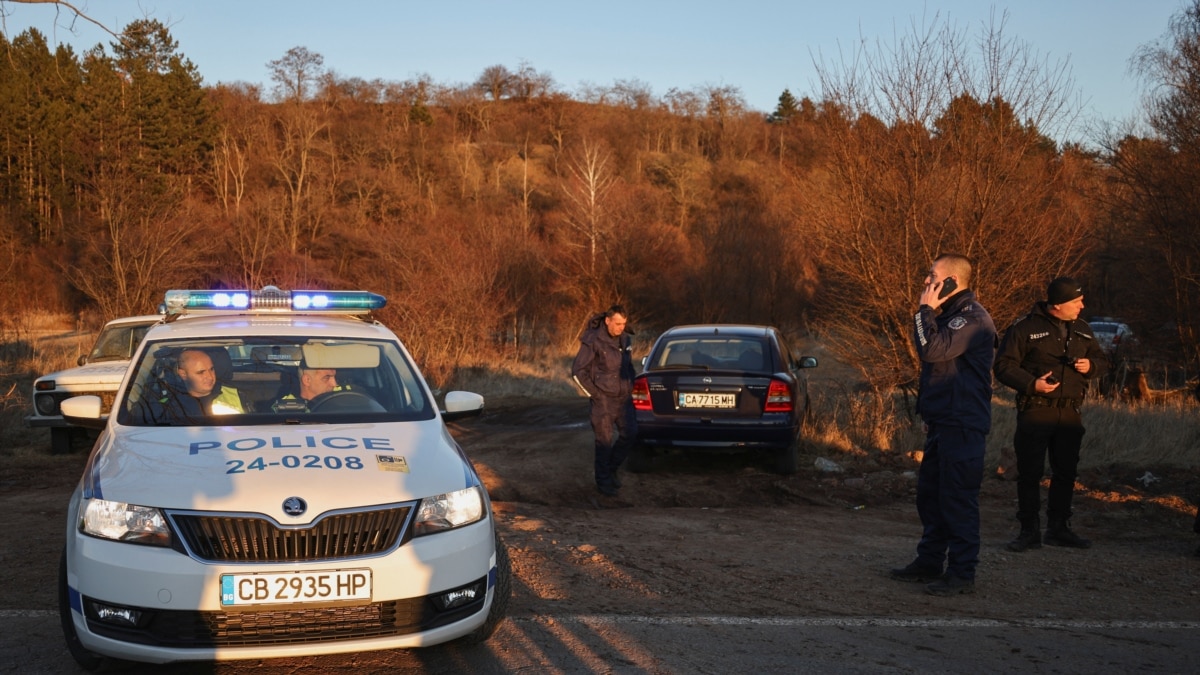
point(89, 661)
point(500, 599)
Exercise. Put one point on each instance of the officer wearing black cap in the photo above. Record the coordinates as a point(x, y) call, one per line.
point(1049, 357)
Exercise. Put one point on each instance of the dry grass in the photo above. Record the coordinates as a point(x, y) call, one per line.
point(855, 424)
point(548, 377)
point(26, 354)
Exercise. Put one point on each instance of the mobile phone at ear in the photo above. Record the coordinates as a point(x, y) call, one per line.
point(949, 285)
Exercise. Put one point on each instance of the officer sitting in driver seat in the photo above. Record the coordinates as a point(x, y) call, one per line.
point(313, 383)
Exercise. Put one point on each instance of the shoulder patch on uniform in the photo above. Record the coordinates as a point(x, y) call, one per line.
point(957, 323)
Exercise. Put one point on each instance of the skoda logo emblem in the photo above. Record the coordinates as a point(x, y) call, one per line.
point(294, 506)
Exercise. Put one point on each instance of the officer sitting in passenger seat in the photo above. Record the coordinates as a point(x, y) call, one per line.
point(195, 393)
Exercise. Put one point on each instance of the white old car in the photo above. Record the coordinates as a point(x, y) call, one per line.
point(98, 372)
point(229, 512)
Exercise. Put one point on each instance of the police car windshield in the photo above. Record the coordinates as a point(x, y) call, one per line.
point(282, 380)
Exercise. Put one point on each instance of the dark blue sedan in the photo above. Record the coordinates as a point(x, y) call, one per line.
point(721, 387)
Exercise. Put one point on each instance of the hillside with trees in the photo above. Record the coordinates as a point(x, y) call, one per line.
point(497, 216)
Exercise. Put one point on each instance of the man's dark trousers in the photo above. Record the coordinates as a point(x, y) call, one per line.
point(1041, 432)
point(612, 414)
point(948, 485)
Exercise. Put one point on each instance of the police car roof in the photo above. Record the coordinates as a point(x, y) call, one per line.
point(210, 326)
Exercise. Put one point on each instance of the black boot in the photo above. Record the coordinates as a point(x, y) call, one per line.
point(1058, 533)
point(1028, 538)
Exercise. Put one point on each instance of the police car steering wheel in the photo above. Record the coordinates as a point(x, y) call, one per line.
point(344, 401)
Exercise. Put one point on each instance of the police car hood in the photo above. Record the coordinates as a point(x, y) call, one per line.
point(256, 469)
point(102, 372)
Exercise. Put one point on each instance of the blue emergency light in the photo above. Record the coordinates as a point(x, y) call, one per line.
point(272, 299)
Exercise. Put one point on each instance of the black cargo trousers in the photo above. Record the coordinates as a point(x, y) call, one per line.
point(1046, 431)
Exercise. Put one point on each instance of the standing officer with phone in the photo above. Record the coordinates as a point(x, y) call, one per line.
point(1049, 357)
point(956, 348)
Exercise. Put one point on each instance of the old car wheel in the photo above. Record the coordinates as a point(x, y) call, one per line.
point(87, 660)
point(60, 440)
point(500, 599)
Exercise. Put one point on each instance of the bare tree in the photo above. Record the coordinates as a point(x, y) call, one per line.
point(934, 149)
point(591, 178)
point(495, 81)
point(71, 10)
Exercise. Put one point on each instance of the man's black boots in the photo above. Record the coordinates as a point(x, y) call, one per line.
point(1058, 533)
point(1030, 537)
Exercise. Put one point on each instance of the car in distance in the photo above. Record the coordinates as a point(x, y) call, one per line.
point(1112, 335)
point(98, 372)
point(721, 387)
point(263, 520)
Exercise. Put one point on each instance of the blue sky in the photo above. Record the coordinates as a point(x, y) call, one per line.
point(760, 48)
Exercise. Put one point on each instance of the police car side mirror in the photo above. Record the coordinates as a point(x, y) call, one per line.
point(461, 404)
point(83, 411)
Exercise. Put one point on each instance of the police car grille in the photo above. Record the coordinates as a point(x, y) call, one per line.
point(295, 625)
point(248, 539)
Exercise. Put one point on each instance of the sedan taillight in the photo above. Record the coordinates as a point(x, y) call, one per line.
point(641, 395)
point(779, 397)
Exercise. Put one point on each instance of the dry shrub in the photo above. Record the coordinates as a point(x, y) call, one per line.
point(860, 423)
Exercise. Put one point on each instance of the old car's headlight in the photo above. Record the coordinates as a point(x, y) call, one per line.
point(124, 522)
point(46, 405)
point(448, 511)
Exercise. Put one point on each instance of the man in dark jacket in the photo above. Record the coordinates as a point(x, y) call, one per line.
point(1049, 357)
point(603, 369)
point(956, 348)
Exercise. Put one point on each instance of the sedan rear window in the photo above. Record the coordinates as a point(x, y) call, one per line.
point(710, 352)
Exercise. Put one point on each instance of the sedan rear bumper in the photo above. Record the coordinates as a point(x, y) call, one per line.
point(714, 433)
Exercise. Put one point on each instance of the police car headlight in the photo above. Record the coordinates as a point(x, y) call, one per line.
point(448, 511)
point(124, 522)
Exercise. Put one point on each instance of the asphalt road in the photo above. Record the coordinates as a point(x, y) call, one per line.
point(30, 642)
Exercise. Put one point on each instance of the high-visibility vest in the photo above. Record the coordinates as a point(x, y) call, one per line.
point(228, 402)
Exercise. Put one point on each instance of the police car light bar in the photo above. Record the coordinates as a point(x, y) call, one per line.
point(272, 299)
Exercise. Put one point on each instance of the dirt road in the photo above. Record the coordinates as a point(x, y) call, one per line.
point(714, 564)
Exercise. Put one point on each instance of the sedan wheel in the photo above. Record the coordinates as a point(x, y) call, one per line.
point(641, 459)
point(787, 461)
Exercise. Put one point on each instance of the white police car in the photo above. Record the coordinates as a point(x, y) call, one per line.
point(99, 372)
point(230, 510)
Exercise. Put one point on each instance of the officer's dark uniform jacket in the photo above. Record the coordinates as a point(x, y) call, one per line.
point(1037, 344)
point(604, 364)
point(956, 348)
